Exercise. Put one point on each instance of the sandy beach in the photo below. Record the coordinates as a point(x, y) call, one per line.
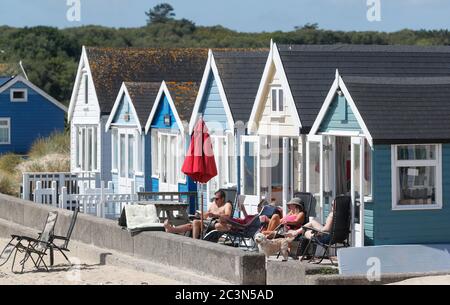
point(83, 272)
point(429, 280)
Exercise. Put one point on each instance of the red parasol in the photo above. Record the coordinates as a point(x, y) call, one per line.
point(199, 163)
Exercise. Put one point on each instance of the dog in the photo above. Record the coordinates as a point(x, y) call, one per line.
point(273, 246)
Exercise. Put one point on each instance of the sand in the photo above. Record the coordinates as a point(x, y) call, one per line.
point(83, 272)
point(429, 280)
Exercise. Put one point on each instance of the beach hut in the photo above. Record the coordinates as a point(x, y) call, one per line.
point(27, 113)
point(294, 85)
point(130, 153)
point(224, 101)
point(168, 128)
point(101, 73)
point(385, 141)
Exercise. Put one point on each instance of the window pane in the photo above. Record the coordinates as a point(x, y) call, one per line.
point(416, 152)
point(89, 149)
point(4, 123)
point(231, 159)
point(250, 163)
point(130, 156)
point(122, 156)
point(3, 135)
point(274, 100)
point(164, 159)
point(115, 145)
point(417, 185)
point(173, 163)
point(86, 89)
point(94, 148)
point(19, 95)
point(83, 149)
point(280, 100)
point(367, 169)
point(155, 153)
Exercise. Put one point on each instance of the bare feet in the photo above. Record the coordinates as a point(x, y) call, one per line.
point(169, 228)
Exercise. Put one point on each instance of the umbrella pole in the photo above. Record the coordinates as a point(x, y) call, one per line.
point(201, 214)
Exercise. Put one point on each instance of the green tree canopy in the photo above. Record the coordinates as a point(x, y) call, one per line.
point(160, 13)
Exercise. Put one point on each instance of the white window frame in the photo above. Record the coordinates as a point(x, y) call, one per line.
point(277, 112)
point(19, 100)
point(180, 177)
point(93, 154)
point(8, 120)
point(416, 163)
point(138, 154)
point(231, 145)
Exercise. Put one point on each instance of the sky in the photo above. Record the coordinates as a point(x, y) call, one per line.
point(240, 15)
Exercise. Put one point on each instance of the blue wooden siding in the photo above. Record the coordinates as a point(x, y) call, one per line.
point(30, 120)
point(368, 224)
point(125, 108)
point(155, 185)
point(339, 117)
point(212, 107)
point(163, 110)
point(148, 163)
point(407, 227)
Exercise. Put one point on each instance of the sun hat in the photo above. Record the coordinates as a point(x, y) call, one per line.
point(296, 201)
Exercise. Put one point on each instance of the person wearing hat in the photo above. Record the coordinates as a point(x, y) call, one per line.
point(293, 220)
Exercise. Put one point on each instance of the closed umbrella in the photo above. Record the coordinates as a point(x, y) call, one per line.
point(199, 163)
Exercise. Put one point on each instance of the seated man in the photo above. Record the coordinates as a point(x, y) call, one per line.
point(219, 208)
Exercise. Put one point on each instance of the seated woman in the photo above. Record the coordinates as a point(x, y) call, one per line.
point(211, 218)
point(318, 227)
point(293, 220)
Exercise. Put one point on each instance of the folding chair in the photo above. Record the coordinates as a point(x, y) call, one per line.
point(30, 246)
point(339, 234)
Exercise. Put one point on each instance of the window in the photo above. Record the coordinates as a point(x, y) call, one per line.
point(122, 156)
point(417, 176)
point(86, 89)
point(277, 99)
point(115, 149)
point(5, 131)
point(155, 153)
point(19, 95)
point(231, 158)
point(86, 144)
point(131, 143)
point(140, 153)
point(367, 181)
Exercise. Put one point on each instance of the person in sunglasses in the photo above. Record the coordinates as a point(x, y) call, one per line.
point(217, 210)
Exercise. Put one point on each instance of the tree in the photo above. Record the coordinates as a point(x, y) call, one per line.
point(160, 13)
point(308, 26)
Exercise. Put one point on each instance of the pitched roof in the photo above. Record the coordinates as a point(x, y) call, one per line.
point(183, 95)
point(111, 67)
point(143, 96)
point(403, 110)
point(310, 69)
point(240, 72)
point(4, 80)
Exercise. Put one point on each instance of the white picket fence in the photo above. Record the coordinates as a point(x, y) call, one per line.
point(76, 183)
point(100, 202)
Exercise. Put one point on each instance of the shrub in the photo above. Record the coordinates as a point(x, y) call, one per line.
point(9, 184)
point(48, 163)
point(9, 162)
point(57, 143)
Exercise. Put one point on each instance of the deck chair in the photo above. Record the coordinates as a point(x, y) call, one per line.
point(240, 233)
point(64, 247)
point(30, 246)
point(339, 235)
